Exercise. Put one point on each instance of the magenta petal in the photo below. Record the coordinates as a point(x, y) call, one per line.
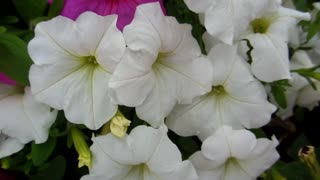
point(125, 9)
point(6, 80)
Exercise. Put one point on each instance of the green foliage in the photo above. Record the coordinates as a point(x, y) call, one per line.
point(259, 133)
point(303, 5)
point(41, 152)
point(55, 8)
point(8, 20)
point(278, 89)
point(301, 141)
point(309, 73)
point(296, 171)
point(54, 170)
point(30, 9)
point(14, 59)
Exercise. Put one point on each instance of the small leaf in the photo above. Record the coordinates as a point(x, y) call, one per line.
point(30, 9)
point(8, 20)
point(14, 59)
point(69, 140)
point(259, 133)
point(278, 89)
point(54, 170)
point(296, 171)
point(41, 152)
point(301, 141)
point(55, 8)
point(3, 29)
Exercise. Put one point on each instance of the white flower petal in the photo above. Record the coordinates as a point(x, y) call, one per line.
point(9, 145)
point(26, 119)
point(294, 13)
point(94, 108)
point(102, 161)
point(91, 29)
point(76, 77)
point(237, 139)
point(167, 162)
point(197, 6)
point(201, 162)
point(133, 79)
point(247, 159)
point(263, 156)
point(244, 103)
point(234, 171)
point(146, 153)
point(62, 35)
point(270, 58)
point(225, 19)
point(134, 149)
point(309, 97)
point(223, 59)
point(216, 147)
point(154, 78)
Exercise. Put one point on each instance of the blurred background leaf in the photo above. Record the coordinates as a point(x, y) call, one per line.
point(14, 59)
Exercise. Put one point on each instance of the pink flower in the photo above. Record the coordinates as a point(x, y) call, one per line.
point(6, 80)
point(124, 8)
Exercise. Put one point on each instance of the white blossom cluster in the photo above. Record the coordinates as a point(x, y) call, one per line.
point(88, 67)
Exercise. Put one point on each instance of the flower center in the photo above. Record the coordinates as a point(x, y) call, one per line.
point(260, 25)
point(91, 60)
point(218, 91)
point(140, 169)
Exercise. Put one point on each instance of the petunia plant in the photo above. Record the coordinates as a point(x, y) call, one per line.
point(159, 89)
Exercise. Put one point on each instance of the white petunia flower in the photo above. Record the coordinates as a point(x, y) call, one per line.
point(73, 63)
point(234, 154)
point(145, 153)
point(300, 93)
point(160, 66)
point(224, 19)
point(237, 99)
point(268, 35)
point(23, 119)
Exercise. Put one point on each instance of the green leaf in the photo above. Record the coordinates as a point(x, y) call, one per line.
point(8, 20)
point(278, 89)
point(41, 152)
point(301, 141)
point(69, 140)
point(54, 170)
point(296, 171)
point(303, 5)
point(30, 9)
point(259, 133)
point(3, 29)
point(14, 58)
point(55, 8)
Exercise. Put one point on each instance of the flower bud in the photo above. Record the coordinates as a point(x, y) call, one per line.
point(119, 125)
point(81, 147)
point(307, 156)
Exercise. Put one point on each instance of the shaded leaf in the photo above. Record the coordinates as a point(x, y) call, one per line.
point(14, 59)
point(30, 9)
point(41, 152)
point(54, 170)
point(55, 8)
